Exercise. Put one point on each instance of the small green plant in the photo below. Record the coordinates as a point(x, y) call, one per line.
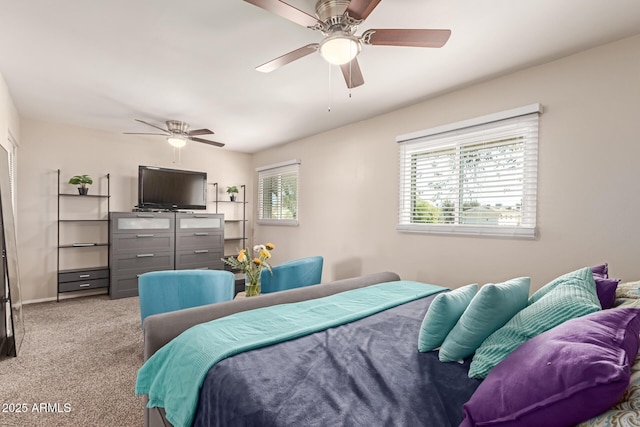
point(233, 190)
point(82, 181)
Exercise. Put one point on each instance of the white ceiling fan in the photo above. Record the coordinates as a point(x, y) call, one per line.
point(338, 20)
point(178, 133)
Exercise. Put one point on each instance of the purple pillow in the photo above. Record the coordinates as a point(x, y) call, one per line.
point(561, 377)
point(606, 289)
point(601, 270)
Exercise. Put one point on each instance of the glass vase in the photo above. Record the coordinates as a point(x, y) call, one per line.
point(252, 285)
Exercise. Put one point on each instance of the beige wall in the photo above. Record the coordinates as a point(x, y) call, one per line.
point(47, 147)
point(349, 180)
point(588, 201)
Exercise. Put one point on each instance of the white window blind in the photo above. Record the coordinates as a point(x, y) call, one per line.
point(475, 177)
point(278, 193)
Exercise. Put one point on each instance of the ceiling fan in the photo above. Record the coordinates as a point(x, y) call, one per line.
point(177, 133)
point(338, 20)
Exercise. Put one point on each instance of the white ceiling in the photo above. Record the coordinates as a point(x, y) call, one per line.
point(101, 64)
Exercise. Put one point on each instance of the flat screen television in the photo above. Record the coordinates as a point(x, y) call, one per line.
point(171, 189)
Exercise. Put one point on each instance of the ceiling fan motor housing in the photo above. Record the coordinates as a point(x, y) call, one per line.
point(331, 12)
point(177, 127)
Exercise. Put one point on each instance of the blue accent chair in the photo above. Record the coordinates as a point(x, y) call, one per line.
point(170, 290)
point(292, 274)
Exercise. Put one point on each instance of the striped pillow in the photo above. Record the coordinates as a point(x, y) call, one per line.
point(558, 281)
point(574, 296)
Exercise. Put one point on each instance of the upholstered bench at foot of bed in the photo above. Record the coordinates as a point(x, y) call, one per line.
point(161, 328)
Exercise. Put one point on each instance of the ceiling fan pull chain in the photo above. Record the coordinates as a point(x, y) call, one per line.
point(330, 92)
point(179, 150)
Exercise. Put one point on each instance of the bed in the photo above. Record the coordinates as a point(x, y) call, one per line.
point(366, 370)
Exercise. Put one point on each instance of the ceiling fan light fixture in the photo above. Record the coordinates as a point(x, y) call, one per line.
point(340, 48)
point(176, 141)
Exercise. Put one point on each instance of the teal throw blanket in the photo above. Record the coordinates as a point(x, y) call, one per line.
point(173, 376)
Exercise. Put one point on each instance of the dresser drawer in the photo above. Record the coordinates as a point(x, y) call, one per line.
point(142, 222)
point(83, 285)
point(199, 258)
point(126, 264)
point(124, 286)
point(199, 240)
point(147, 241)
point(82, 274)
point(199, 222)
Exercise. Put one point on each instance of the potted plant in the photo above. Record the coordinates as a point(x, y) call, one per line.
point(82, 181)
point(233, 190)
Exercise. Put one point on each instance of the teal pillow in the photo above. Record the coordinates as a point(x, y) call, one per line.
point(573, 295)
point(442, 315)
point(552, 285)
point(490, 309)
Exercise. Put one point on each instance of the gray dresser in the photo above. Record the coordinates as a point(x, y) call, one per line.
point(153, 241)
point(199, 241)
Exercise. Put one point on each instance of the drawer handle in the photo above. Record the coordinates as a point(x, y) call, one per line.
point(201, 251)
point(86, 285)
point(145, 235)
point(144, 255)
point(200, 234)
point(200, 216)
point(84, 276)
point(144, 216)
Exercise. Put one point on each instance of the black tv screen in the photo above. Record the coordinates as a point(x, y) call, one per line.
point(162, 188)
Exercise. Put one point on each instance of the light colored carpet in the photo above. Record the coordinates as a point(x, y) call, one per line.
point(79, 357)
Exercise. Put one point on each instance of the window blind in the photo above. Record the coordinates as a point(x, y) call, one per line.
point(278, 193)
point(475, 179)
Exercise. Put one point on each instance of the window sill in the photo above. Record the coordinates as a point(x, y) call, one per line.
point(469, 230)
point(280, 222)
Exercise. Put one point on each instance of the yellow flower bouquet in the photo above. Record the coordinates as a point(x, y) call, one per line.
point(252, 267)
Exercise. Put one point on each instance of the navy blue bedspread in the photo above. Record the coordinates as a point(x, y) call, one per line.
point(365, 373)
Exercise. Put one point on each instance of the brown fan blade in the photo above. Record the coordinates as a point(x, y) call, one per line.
point(206, 141)
point(153, 126)
point(402, 37)
point(352, 73)
point(286, 11)
point(274, 64)
point(143, 133)
point(360, 9)
point(200, 132)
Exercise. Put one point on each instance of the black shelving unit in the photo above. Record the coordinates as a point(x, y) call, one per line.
point(89, 277)
point(241, 239)
point(243, 221)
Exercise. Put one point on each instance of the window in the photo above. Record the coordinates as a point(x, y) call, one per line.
point(278, 193)
point(474, 177)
